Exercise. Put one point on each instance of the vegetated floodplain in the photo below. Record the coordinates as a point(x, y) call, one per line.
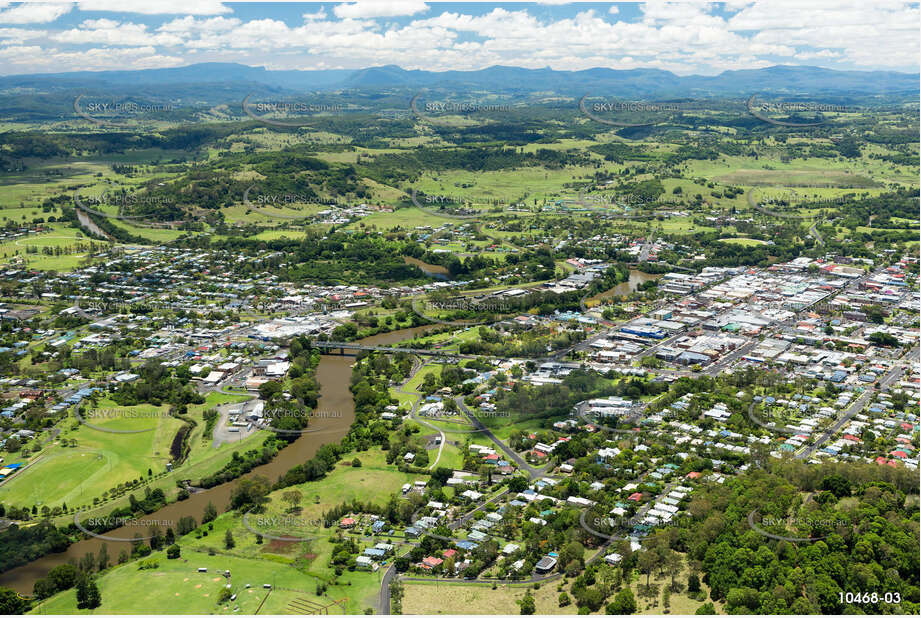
point(674, 371)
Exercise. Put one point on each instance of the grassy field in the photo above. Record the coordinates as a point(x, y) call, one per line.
point(451, 456)
point(176, 587)
point(416, 381)
point(374, 481)
point(101, 460)
point(292, 567)
point(432, 598)
point(443, 598)
point(154, 234)
point(57, 236)
point(745, 242)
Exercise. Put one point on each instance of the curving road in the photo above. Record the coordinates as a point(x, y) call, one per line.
point(533, 473)
point(893, 375)
point(780, 215)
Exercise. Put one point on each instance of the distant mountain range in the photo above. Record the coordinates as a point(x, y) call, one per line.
point(791, 80)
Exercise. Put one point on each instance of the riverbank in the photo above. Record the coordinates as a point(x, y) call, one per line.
point(332, 421)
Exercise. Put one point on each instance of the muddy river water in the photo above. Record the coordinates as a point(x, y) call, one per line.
point(335, 401)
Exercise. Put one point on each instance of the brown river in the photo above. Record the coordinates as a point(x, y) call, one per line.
point(333, 374)
point(630, 285)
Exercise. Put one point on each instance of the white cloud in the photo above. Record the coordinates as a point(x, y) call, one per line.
point(158, 7)
point(367, 9)
point(873, 35)
point(18, 35)
point(14, 52)
point(680, 37)
point(823, 54)
point(190, 25)
point(109, 32)
point(321, 14)
point(94, 59)
point(34, 13)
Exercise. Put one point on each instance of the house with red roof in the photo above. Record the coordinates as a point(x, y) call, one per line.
point(431, 562)
point(635, 496)
point(347, 522)
point(448, 553)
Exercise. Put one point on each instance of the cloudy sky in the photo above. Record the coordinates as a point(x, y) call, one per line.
point(683, 37)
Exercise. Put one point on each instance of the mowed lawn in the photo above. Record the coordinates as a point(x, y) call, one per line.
point(745, 242)
point(176, 587)
point(58, 235)
point(100, 461)
point(374, 482)
point(425, 598)
point(292, 568)
point(95, 463)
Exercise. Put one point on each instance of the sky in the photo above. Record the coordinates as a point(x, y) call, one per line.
point(682, 37)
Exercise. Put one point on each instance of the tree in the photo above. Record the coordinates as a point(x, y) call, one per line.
point(527, 604)
point(693, 583)
point(572, 551)
point(292, 497)
point(707, 609)
point(396, 596)
point(269, 389)
point(210, 513)
point(674, 563)
point(564, 599)
point(646, 562)
point(517, 484)
point(442, 474)
point(173, 552)
point(836, 484)
point(249, 492)
point(102, 559)
point(229, 543)
point(63, 576)
point(623, 603)
point(11, 603)
point(591, 597)
point(93, 597)
point(88, 596)
point(883, 339)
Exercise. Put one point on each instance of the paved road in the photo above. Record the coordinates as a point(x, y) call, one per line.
point(725, 361)
point(383, 602)
point(647, 247)
point(533, 472)
point(815, 233)
point(892, 376)
point(782, 215)
point(413, 411)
